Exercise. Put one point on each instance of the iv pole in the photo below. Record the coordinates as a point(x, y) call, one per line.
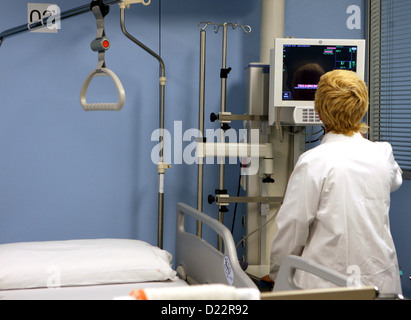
point(161, 165)
point(223, 75)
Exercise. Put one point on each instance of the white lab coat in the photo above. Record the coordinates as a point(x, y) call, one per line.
point(335, 212)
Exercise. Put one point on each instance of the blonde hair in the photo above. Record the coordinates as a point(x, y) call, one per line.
point(341, 101)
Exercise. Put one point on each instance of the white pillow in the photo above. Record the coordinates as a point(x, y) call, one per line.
point(82, 262)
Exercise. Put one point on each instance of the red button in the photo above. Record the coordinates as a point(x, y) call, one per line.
point(106, 44)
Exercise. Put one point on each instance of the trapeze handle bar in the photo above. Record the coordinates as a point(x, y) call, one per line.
point(63, 15)
point(102, 106)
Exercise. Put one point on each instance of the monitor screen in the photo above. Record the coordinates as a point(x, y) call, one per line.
point(304, 64)
point(296, 66)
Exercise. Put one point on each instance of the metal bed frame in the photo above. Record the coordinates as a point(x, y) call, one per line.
point(199, 262)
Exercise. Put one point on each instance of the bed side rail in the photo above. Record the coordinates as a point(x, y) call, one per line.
point(285, 279)
point(202, 262)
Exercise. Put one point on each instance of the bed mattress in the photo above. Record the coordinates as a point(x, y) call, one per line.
point(99, 292)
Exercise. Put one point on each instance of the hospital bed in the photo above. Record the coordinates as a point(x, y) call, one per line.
point(105, 269)
point(111, 268)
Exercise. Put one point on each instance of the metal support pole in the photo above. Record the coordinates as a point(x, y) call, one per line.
point(201, 127)
point(161, 166)
point(224, 66)
point(223, 76)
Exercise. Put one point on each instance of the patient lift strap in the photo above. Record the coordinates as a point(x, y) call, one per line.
point(100, 45)
point(100, 10)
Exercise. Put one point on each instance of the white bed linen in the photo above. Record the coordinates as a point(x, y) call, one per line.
point(71, 263)
point(99, 292)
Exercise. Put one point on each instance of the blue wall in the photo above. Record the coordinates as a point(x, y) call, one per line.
point(66, 173)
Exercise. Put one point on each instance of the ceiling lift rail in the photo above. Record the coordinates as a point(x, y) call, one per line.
point(161, 165)
point(41, 23)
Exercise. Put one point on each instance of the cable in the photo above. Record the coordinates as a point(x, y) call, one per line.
point(278, 125)
point(259, 228)
point(264, 224)
point(235, 207)
point(314, 133)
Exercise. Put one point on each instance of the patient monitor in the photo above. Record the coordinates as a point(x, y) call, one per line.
point(295, 68)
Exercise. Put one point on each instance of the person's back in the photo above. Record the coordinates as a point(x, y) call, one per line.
point(336, 207)
point(350, 231)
